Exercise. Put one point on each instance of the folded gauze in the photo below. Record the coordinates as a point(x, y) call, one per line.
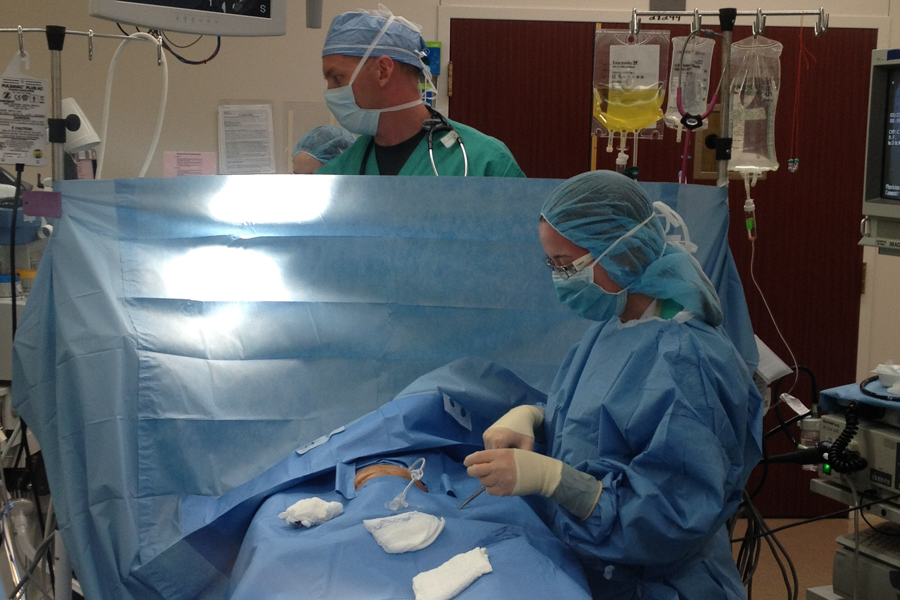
point(406, 532)
point(452, 577)
point(311, 511)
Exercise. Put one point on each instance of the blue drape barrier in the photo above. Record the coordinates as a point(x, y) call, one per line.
point(184, 335)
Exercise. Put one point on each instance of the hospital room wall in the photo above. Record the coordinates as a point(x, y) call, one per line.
point(280, 71)
point(286, 70)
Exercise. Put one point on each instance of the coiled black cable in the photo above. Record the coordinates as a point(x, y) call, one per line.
point(871, 394)
point(840, 459)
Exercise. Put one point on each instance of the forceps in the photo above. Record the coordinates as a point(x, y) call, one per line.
point(472, 497)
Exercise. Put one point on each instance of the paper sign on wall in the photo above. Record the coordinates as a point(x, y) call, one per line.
point(179, 164)
point(246, 141)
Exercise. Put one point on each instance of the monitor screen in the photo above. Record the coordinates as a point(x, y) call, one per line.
point(206, 17)
point(891, 165)
point(250, 8)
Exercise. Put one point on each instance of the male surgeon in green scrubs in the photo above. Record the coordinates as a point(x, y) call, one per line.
point(372, 61)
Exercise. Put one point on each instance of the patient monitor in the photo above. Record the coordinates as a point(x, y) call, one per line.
point(881, 200)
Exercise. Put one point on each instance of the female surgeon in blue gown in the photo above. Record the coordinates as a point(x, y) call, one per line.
point(652, 423)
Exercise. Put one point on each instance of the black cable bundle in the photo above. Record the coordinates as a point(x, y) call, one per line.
point(751, 546)
point(840, 459)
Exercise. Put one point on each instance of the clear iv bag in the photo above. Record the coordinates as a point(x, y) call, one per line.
point(629, 81)
point(756, 79)
point(694, 76)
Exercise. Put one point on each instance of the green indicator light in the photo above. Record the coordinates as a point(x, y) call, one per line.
point(750, 224)
point(826, 468)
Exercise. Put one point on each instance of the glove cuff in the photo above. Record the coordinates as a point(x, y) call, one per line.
point(577, 492)
point(521, 419)
point(536, 473)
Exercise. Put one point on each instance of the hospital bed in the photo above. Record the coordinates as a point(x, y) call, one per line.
point(185, 337)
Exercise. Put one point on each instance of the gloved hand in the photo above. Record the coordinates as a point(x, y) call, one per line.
point(515, 429)
point(517, 472)
point(514, 472)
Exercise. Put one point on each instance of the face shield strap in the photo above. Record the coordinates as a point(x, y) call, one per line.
point(671, 221)
point(627, 234)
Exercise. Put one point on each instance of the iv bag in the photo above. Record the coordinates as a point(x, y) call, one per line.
point(629, 82)
point(694, 70)
point(756, 79)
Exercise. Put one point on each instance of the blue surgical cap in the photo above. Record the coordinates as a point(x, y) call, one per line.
point(353, 32)
point(325, 142)
point(595, 209)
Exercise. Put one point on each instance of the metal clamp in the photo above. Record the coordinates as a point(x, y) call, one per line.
point(821, 25)
point(159, 49)
point(695, 22)
point(635, 26)
point(90, 44)
point(759, 24)
point(21, 42)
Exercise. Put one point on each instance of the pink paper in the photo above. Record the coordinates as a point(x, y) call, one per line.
point(178, 164)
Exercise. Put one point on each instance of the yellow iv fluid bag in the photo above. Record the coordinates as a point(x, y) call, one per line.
point(628, 109)
point(629, 80)
point(756, 69)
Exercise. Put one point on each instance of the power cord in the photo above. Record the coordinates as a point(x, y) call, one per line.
point(750, 550)
point(842, 460)
point(168, 44)
point(832, 515)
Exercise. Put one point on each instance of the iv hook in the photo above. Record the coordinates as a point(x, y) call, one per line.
point(821, 25)
point(635, 26)
point(21, 42)
point(759, 25)
point(90, 44)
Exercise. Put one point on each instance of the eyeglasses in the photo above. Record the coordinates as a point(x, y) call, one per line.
point(569, 270)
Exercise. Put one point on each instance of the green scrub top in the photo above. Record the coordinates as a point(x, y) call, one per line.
point(488, 157)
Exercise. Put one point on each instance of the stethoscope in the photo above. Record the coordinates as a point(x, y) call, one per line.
point(436, 124)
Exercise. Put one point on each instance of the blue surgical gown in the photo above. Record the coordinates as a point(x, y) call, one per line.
point(666, 416)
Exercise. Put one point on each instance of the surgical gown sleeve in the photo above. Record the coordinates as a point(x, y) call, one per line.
point(665, 416)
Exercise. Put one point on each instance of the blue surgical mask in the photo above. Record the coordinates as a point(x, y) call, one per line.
point(586, 298)
point(579, 292)
point(342, 102)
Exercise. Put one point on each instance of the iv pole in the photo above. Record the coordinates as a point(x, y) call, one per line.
point(727, 18)
point(56, 36)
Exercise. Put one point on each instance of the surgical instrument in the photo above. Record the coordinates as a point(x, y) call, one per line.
point(472, 497)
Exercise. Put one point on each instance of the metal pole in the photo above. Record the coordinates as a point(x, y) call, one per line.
point(727, 17)
point(58, 163)
point(725, 112)
point(62, 566)
point(56, 37)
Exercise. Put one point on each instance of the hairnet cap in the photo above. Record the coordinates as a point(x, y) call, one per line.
point(596, 209)
point(325, 142)
point(351, 34)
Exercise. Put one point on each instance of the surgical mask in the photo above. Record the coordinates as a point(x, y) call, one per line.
point(582, 295)
point(342, 102)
